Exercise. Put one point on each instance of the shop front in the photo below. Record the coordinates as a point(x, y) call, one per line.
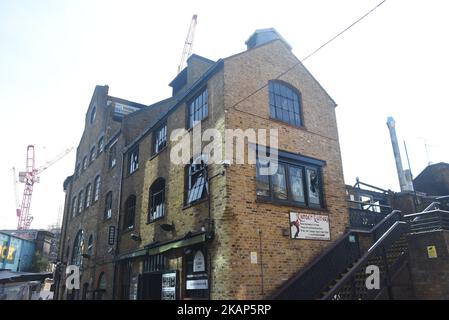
point(173, 270)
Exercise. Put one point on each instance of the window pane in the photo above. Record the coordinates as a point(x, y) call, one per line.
point(313, 185)
point(262, 181)
point(279, 185)
point(296, 184)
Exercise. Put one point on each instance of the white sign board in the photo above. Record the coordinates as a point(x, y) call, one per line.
point(309, 226)
point(197, 284)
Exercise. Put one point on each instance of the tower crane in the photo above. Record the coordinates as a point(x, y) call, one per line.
point(29, 177)
point(188, 45)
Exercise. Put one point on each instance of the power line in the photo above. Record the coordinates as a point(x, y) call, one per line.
point(308, 56)
point(346, 29)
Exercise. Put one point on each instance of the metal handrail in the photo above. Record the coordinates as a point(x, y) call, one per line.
point(362, 260)
point(425, 213)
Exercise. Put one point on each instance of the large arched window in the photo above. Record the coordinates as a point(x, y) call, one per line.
point(78, 247)
point(285, 103)
point(130, 212)
point(157, 200)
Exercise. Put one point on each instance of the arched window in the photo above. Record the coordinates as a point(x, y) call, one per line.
point(157, 200)
point(90, 245)
point(80, 201)
point(78, 247)
point(130, 212)
point(196, 182)
point(88, 196)
point(100, 145)
point(97, 183)
point(285, 103)
point(93, 114)
point(92, 155)
point(74, 207)
point(108, 206)
point(101, 287)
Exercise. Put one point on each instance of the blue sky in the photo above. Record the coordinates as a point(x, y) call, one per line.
point(53, 53)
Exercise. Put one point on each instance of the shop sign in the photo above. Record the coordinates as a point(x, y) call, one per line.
point(199, 264)
point(197, 284)
point(309, 226)
point(168, 286)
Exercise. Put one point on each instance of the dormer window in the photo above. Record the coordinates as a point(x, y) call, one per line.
point(93, 114)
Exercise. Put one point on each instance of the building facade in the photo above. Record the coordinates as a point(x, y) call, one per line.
point(184, 187)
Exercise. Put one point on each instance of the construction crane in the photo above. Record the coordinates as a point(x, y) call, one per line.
point(29, 177)
point(188, 45)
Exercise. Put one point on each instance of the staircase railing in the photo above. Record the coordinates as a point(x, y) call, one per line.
point(352, 286)
point(313, 279)
point(428, 221)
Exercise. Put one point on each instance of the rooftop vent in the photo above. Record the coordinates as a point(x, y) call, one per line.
point(262, 36)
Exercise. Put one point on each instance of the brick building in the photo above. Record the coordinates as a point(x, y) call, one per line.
point(205, 229)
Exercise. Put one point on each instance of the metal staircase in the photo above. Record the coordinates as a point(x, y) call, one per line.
point(340, 272)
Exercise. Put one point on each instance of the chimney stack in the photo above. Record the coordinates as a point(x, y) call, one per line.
point(405, 184)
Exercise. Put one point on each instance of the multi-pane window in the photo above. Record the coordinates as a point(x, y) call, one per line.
point(90, 245)
point(112, 155)
point(196, 180)
point(159, 139)
point(157, 200)
point(198, 108)
point(85, 163)
point(133, 160)
point(78, 248)
point(285, 104)
point(97, 183)
point(88, 196)
point(130, 212)
point(80, 201)
point(155, 263)
point(78, 170)
point(294, 182)
point(108, 206)
point(100, 145)
point(93, 155)
point(74, 206)
point(93, 114)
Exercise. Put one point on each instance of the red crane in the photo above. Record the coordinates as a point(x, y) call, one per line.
point(30, 177)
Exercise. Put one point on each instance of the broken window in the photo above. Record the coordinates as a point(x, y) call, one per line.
point(284, 103)
point(108, 206)
point(196, 176)
point(157, 200)
point(159, 139)
point(112, 155)
point(295, 182)
point(133, 160)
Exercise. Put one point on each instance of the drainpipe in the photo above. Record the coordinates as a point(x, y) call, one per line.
point(397, 154)
point(118, 225)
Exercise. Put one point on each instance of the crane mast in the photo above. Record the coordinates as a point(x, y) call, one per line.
point(29, 177)
point(188, 45)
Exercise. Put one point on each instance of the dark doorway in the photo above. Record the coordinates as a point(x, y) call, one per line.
point(151, 286)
